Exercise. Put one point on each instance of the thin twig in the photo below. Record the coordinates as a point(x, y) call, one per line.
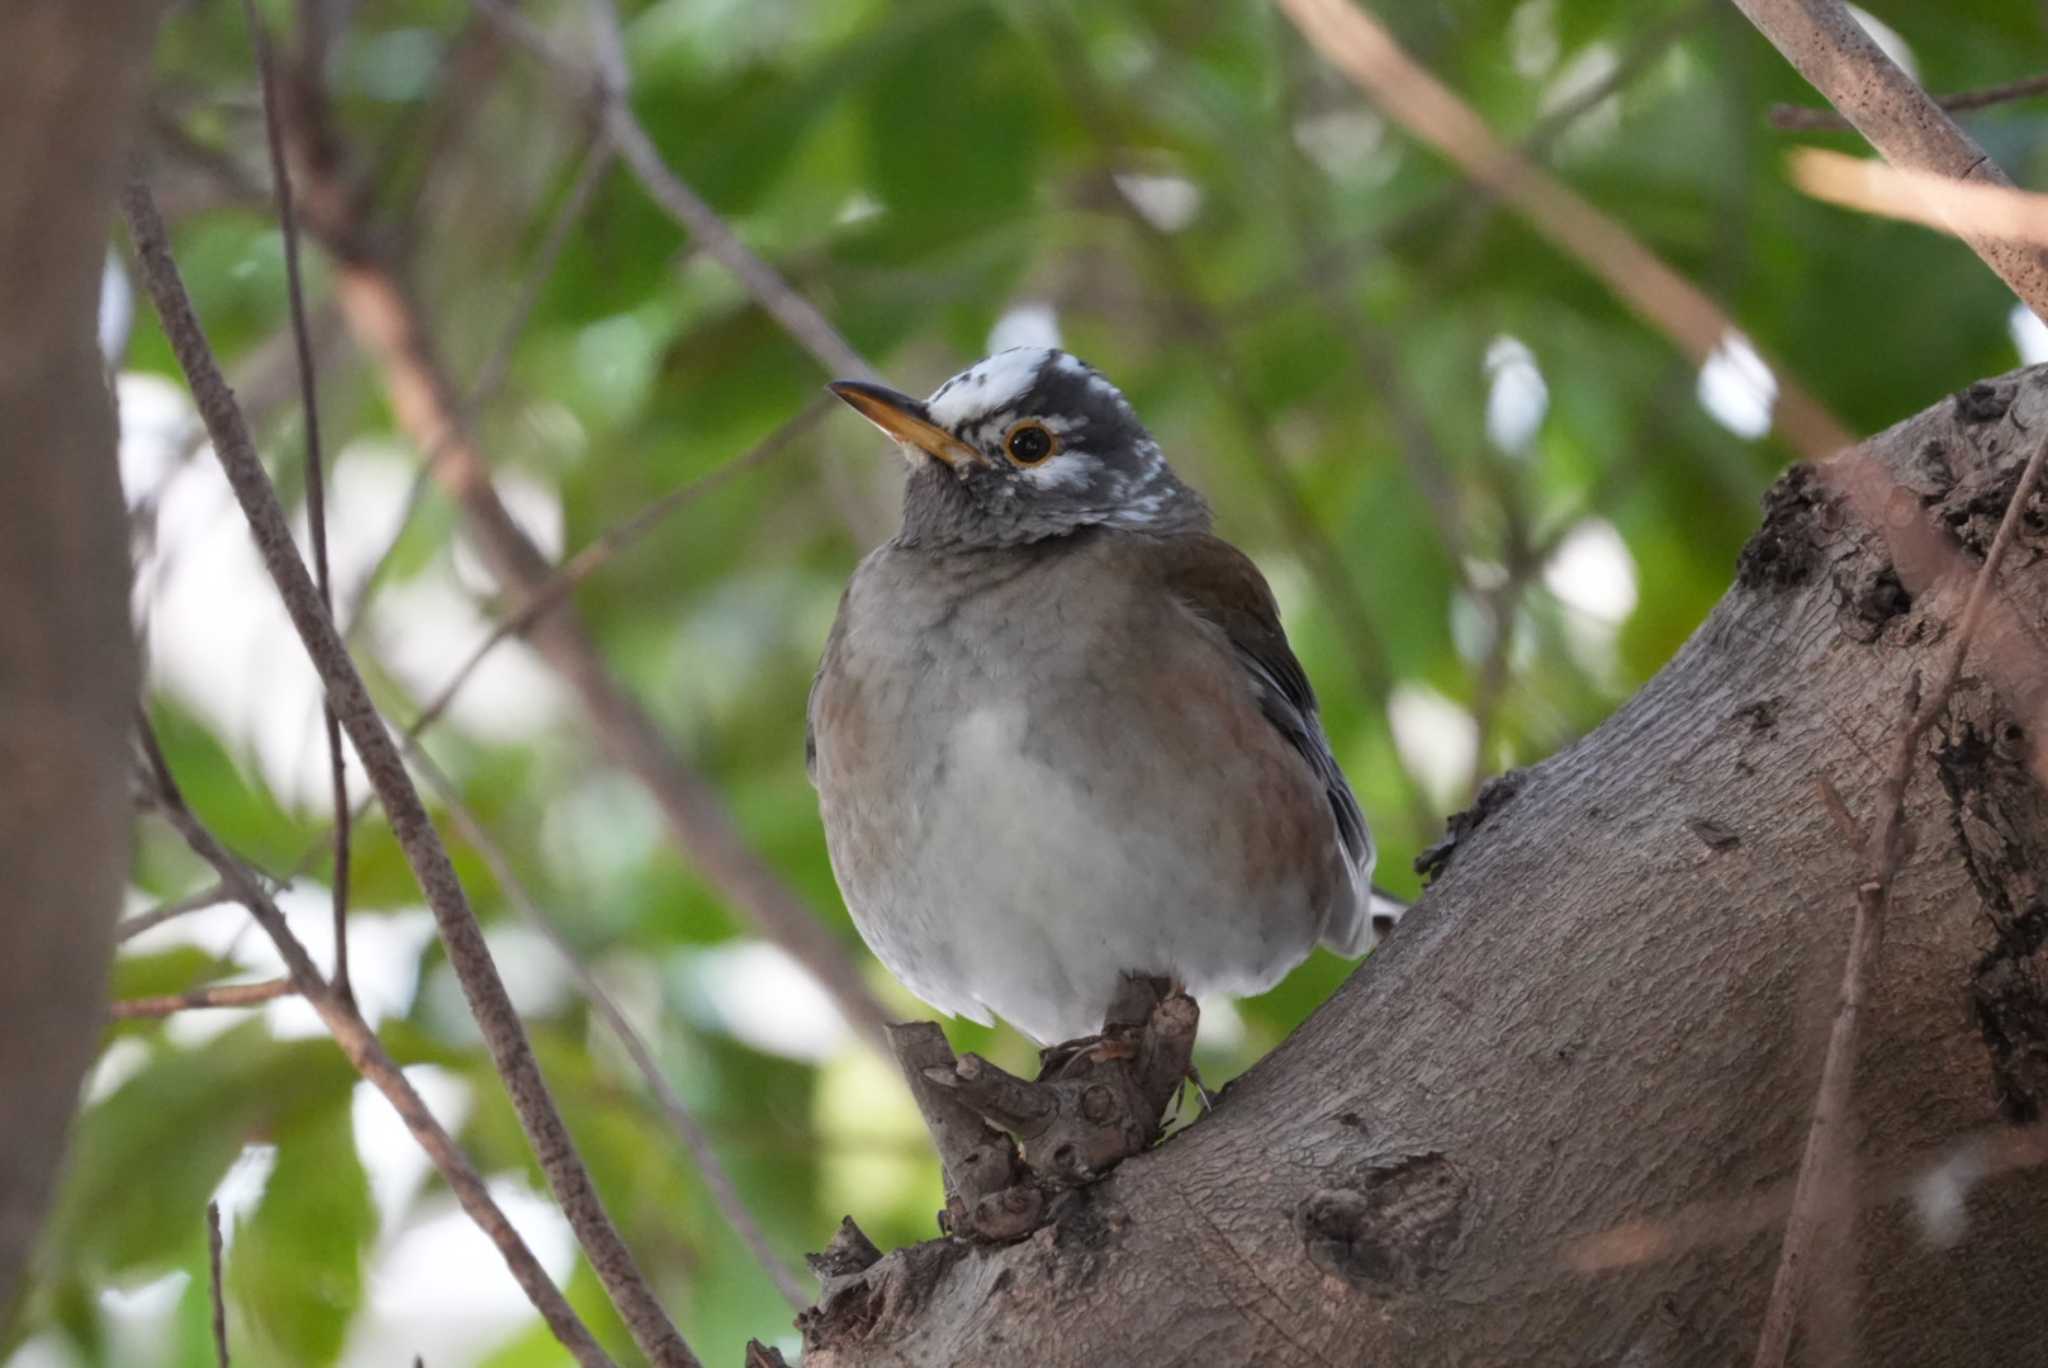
point(212, 995)
point(316, 475)
point(598, 553)
point(213, 895)
point(607, 77)
point(1888, 107)
point(491, 375)
point(1328, 269)
point(392, 327)
point(388, 319)
point(468, 953)
point(1996, 1150)
point(1825, 1157)
point(1356, 42)
point(725, 1193)
point(1193, 319)
point(220, 1301)
point(367, 1054)
point(1806, 119)
point(602, 550)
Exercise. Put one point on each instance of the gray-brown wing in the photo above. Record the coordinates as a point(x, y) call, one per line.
point(1220, 584)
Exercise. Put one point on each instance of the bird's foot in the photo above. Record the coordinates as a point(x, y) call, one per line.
point(1095, 1103)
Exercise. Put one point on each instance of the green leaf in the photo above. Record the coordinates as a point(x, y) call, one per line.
point(296, 1267)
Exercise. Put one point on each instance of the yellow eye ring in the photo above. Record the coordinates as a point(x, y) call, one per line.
point(1030, 443)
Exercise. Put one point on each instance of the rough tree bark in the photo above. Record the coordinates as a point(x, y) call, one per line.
point(1556, 1119)
point(69, 78)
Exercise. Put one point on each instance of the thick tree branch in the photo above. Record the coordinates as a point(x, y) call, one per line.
point(504, 1034)
point(1888, 107)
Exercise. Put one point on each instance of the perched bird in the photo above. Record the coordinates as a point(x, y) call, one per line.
point(1058, 734)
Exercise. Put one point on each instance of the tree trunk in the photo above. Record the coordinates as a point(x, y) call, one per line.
point(69, 77)
point(1557, 1118)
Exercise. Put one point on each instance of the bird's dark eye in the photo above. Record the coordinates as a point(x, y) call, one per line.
point(1029, 443)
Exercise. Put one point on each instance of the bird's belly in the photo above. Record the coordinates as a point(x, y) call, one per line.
point(1021, 871)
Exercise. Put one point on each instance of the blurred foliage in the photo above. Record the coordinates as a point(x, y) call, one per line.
point(1223, 227)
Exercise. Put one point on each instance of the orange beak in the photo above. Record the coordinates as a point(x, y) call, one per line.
point(907, 422)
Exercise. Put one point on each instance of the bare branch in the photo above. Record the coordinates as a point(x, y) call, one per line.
point(600, 552)
point(213, 895)
point(391, 325)
point(1888, 107)
point(1192, 318)
point(220, 1304)
point(490, 376)
point(1356, 42)
point(607, 77)
point(1805, 119)
point(388, 320)
point(1820, 1196)
point(366, 1053)
point(725, 1193)
point(468, 954)
point(316, 475)
point(212, 995)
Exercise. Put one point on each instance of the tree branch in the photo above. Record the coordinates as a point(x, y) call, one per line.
point(1804, 119)
point(367, 1054)
point(1896, 117)
point(388, 322)
point(210, 995)
point(504, 1034)
point(607, 78)
point(725, 1193)
point(316, 474)
point(219, 1302)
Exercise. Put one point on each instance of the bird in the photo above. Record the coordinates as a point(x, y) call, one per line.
point(1058, 734)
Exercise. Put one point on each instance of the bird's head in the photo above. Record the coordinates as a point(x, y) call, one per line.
point(1027, 444)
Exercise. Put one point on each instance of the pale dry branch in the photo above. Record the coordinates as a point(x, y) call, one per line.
point(1822, 1193)
point(211, 995)
point(503, 1032)
point(1959, 208)
point(1357, 43)
point(1888, 107)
